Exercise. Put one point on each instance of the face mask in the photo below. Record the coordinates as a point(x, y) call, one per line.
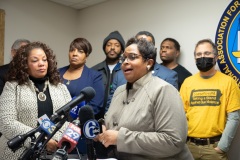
point(204, 64)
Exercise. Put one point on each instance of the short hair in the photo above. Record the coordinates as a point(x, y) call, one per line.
point(81, 44)
point(146, 49)
point(17, 44)
point(207, 41)
point(146, 33)
point(176, 44)
point(19, 65)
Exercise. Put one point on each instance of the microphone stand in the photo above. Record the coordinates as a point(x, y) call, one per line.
point(59, 125)
point(27, 153)
point(60, 154)
point(36, 148)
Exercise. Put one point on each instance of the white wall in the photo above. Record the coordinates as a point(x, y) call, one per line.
point(187, 21)
point(39, 20)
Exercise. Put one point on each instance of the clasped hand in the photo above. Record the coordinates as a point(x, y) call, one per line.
point(108, 137)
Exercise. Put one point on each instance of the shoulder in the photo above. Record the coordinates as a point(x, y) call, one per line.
point(11, 87)
point(164, 69)
point(157, 88)
point(12, 84)
point(4, 68)
point(63, 69)
point(182, 70)
point(226, 78)
point(160, 83)
point(164, 72)
point(60, 87)
point(99, 65)
point(91, 72)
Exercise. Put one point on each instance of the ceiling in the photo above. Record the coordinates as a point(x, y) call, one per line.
point(78, 4)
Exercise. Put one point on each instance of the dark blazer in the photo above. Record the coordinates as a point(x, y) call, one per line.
point(88, 78)
point(160, 71)
point(107, 80)
point(3, 75)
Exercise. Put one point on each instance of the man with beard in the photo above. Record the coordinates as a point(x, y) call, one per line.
point(169, 53)
point(113, 47)
point(211, 102)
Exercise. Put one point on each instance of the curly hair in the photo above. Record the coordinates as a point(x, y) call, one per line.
point(19, 65)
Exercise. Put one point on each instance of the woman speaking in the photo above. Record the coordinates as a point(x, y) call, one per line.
point(146, 119)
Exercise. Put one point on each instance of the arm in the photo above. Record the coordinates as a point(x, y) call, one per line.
point(10, 126)
point(229, 131)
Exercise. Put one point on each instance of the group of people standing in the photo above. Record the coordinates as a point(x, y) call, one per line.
point(152, 111)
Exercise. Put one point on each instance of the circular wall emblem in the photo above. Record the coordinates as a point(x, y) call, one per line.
point(228, 41)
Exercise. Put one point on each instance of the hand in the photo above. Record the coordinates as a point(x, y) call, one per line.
point(108, 137)
point(218, 150)
point(97, 137)
point(51, 145)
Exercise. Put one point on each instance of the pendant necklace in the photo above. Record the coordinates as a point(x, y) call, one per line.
point(41, 96)
point(68, 82)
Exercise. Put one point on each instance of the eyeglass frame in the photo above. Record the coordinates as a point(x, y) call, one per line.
point(134, 56)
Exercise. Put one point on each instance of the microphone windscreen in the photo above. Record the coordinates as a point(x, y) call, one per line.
point(88, 92)
point(85, 114)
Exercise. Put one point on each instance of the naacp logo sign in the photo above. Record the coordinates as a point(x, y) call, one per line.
point(228, 41)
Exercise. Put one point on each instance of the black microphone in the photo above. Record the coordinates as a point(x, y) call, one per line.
point(86, 94)
point(17, 142)
point(86, 114)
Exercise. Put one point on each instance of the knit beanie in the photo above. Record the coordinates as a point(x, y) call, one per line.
point(114, 35)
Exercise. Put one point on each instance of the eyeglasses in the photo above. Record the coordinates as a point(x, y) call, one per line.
point(200, 54)
point(129, 57)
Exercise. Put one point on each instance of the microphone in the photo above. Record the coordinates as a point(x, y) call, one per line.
point(75, 110)
point(17, 142)
point(46, 125)
point(70, 137)
point(86, 93)
point(89, 127)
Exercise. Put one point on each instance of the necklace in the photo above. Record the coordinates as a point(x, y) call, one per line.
point(41, 95)
point(68, 82)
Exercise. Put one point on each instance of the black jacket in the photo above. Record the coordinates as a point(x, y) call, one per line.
point(3, 76)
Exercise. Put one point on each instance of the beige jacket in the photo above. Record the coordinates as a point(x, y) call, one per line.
point(151, 121)
point(19, 113)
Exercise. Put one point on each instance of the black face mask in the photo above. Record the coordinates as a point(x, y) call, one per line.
point(204, 64)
